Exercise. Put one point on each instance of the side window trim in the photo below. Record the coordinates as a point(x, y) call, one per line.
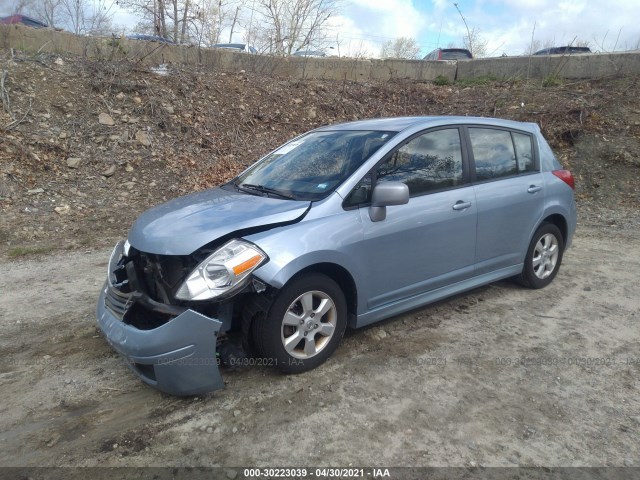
point(466, 170)
point(472, 160)
point(534, 151)
point(419, 134)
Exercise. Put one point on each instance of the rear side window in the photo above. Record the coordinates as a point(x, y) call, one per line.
point(432, 161)
point(493, 152)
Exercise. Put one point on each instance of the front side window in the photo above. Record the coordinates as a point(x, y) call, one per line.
point(429, 162)
point(312, 166)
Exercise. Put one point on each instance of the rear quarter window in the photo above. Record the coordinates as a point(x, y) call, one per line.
point(524, 152)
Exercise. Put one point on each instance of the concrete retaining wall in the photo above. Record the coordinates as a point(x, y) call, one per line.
point(575, 66)
point(154, 53)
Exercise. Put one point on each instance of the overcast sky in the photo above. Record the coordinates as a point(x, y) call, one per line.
point(507, 25)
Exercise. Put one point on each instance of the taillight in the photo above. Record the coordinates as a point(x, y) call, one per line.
point(566, 177)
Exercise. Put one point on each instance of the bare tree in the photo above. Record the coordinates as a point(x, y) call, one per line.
point(74, 13)
point(47, 11)
point(152, 14)
point(581, 42)
point(473, 41)
point(233, 23)
point(198, 23)
point(78, 16)
point(20, 6)
point(402, 47)
point(210, 17)
point(180, 20)
point(476, 43)
point(537, 45)
point(290, 25)
point(533, 47)
point(359, 51)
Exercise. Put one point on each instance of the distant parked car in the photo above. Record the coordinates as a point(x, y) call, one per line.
point(568, 50)
point(150, 38)
point(309, 53)
point(449, 54)
point(24, 20)
point(241, 47)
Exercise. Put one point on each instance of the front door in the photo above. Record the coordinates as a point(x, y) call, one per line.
point(429, 242)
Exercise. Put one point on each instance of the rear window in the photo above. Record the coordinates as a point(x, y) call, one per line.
point(455, 55)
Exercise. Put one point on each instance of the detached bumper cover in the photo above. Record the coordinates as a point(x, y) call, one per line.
point(178, 357)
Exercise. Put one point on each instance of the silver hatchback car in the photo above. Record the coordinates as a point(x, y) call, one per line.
point(343, 226)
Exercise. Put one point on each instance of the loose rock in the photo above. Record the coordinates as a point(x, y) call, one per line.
point(143, 138)
point(105, 119)
point(63, 209)
point(73, 162)
point(109, 171)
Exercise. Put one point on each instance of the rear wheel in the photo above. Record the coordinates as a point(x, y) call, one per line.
point(304, 324)
point(543, 257)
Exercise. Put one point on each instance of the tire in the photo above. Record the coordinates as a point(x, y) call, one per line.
point(304, 324)
point(543, 257)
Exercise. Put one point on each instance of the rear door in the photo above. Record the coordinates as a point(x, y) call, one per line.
point(509, 192)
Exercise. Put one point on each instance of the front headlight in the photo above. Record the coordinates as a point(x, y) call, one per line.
point(223, 271)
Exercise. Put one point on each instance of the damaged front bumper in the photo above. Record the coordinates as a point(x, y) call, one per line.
point(178, 357)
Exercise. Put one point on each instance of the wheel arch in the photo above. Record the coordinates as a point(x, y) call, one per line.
point(343, 278)
point(559, 221)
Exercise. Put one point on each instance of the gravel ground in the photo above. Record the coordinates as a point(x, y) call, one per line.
point(500, 376)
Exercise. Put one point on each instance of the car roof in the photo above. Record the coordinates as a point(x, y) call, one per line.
point(18, 18)
point(144, 36)
point(562, 50)
point(455, 51)
point(309, 52)
point(398, 124)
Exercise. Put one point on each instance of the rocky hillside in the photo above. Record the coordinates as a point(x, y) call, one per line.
point(86, 146)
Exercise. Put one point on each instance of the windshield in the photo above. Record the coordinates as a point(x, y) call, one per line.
point(312, 166)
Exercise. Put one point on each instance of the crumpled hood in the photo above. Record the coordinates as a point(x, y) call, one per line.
point(182, 225)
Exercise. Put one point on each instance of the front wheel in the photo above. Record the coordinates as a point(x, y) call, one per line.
point(304, 324)
point(543, 257)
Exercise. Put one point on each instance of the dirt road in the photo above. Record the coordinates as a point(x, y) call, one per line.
point(499, 376)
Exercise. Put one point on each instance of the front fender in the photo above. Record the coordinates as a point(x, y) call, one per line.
point(293, 248)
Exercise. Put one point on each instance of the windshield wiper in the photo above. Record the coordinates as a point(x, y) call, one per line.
point(265, 190)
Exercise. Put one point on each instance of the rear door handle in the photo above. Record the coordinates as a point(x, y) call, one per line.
point(534, 189)
point(460, 205)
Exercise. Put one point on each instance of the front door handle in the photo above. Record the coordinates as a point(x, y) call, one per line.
point(534, 189)
point(460, 205)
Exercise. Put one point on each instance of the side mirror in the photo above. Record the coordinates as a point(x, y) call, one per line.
point(384, 195)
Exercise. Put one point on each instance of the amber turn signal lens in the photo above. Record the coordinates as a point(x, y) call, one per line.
point(247, 264)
